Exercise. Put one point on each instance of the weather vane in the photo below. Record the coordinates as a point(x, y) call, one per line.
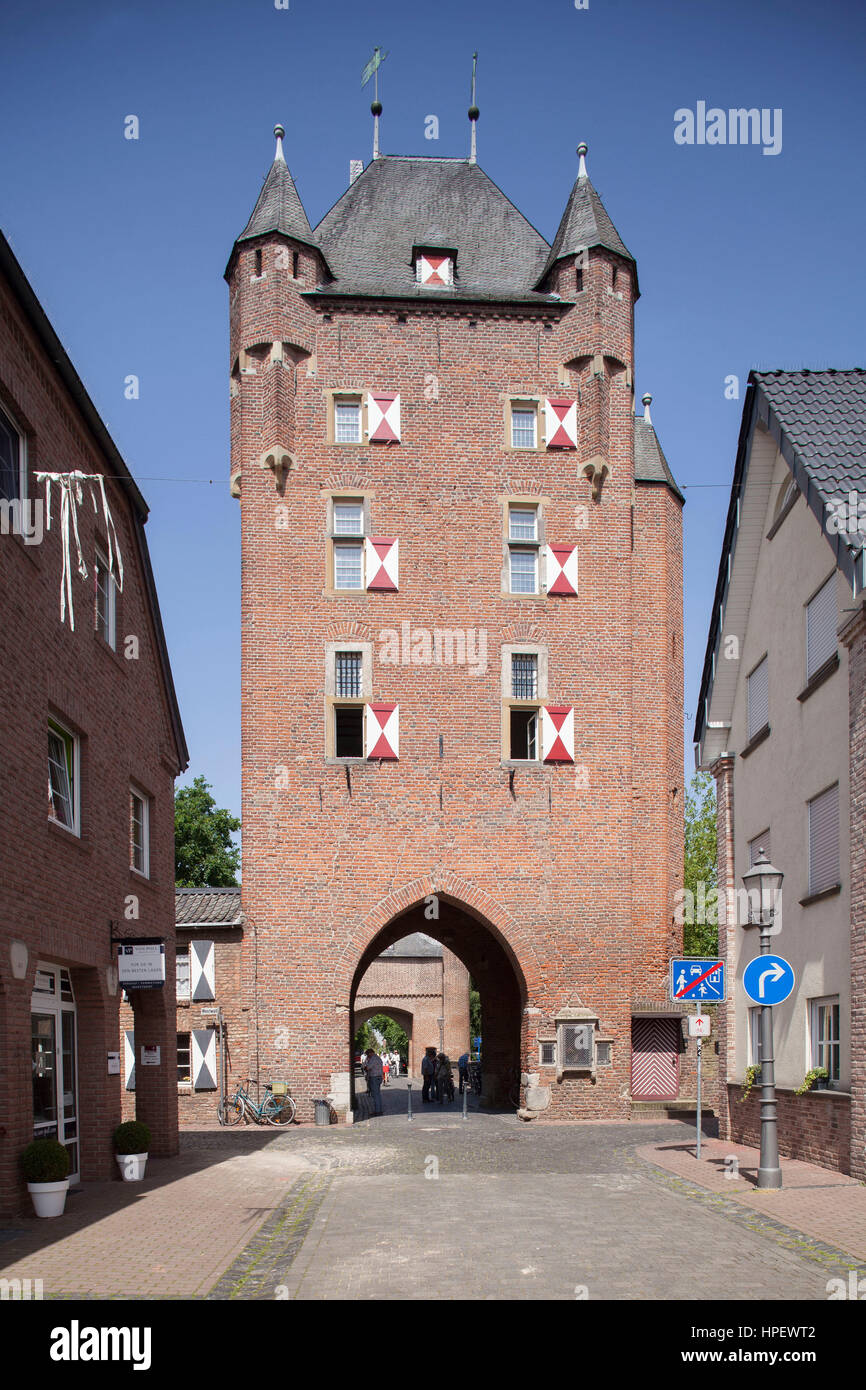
point(372, 70)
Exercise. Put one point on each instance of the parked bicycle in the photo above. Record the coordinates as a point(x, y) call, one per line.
point(276, 1107)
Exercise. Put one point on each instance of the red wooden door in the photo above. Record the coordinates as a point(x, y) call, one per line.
point(655, 1058)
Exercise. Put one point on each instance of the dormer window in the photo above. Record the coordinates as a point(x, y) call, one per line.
point(434, 267)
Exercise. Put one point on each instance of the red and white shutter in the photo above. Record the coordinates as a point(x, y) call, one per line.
point(561, 420)
point(383, 417)
point(382, 557)
point(382, 731)
point(434, 270)
point(129, 1059)
point(557, 733)
point(561, 565)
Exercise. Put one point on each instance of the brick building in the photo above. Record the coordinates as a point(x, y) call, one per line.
point(424, 988)
point(782, 727)
point(91, 717)
point(462, 629)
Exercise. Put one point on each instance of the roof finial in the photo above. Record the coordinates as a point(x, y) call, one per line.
point(474, 113)
point(646, 401)
point(279, 131)
point(376, 105)
point(581, 168)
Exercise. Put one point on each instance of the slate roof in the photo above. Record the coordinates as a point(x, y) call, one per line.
point(585, 223)
point(279, 208)
point(404, 201)
point(417, 944)
point(823, 415)
point(208, 907)
point(650, 464)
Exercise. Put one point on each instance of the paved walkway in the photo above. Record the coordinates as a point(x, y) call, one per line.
point(486, 1207)
point(825, 1205)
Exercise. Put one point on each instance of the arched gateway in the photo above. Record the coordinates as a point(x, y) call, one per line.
point(462, 626)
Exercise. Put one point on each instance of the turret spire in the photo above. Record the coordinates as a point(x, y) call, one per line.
point(474, 113)
point(279, 131)
point(581, 168)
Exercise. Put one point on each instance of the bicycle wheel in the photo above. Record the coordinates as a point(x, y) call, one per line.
point(230, 1111)
point(280, 1112)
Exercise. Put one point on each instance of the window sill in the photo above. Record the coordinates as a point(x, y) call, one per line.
point(143, 879)
point(111, 652)
point(821, 675)
point(345, 593)
point(71, 837)
point(528, 598)
point(755, 740)
point(529, 764)
point(811, 898)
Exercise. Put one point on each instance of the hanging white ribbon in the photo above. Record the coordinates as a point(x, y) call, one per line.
point(71, 496)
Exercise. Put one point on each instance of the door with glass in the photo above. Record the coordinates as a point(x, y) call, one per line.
point(54, 1051)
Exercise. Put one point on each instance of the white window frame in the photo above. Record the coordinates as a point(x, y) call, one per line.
point(71, 743)
point(136, 794)
point(519, 406)
point(533, 554)
point(182, 953)
point(356, 400)
point(817, 1044)
point(338, 532)
point(525, 509)
point(184, 1033)
point(107, 628)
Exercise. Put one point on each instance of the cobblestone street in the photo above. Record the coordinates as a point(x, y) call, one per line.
point(484, 1208)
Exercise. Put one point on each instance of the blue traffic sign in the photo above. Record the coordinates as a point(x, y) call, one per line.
point(701, 980)
point(768, 979)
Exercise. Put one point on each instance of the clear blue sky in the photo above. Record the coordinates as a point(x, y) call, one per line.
point(745, 260)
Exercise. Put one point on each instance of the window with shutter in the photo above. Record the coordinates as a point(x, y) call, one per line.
point(184, 1059)
point(347, 419)
point(821, 620)
point(434, 269)
point(758, 698)
point(181, 970)
point(824, 1028)
point(824, 840)
point(201, 970)
point(348, 731)
point(760, 842)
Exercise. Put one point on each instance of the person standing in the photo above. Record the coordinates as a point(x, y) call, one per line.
point(386, 1069)
point(373, 1068)
point(428, 1072)
point(463, 1070)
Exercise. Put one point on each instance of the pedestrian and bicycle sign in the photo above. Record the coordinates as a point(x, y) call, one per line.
point(768, 979)
point(698, 979)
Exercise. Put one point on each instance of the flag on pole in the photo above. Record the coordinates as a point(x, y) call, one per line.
point(377, 58)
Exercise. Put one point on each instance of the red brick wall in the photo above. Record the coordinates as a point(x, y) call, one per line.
point(815, 1128)
point(558, 884)
point(59, 894)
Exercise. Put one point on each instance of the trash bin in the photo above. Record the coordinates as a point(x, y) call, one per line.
point(323, 1112)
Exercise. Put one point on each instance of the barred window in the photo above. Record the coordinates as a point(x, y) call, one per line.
point(524, 676)
point(576, 1044)
point(348, 683)
point(548, 1054)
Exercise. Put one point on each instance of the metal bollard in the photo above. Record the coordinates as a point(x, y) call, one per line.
point(409, 1094)
point(465, 1101)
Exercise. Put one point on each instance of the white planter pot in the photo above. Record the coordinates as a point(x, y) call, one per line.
point(131, 1166)
point(49, 1198)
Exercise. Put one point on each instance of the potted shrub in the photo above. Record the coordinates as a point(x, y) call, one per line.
point(131, 1143)
point(753, 1074)
point(45, 1164)
point(817, 1077)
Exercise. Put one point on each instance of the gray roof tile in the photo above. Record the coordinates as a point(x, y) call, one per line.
point(823, 415)
point(417, 944)
point(279, 208)
point(208, 907)
point(585, 223)
point(401, 202)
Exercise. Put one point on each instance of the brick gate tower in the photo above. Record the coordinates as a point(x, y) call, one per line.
point(462, 630)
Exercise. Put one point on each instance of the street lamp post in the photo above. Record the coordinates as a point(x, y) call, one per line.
point(763, 884)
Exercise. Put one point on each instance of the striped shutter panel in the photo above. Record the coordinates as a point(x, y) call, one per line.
point(561, 569)
point(824, 840)
point(561, 421)
point(821, 619)
point(203, 1059)
point(382, 564)
point(655, 1058)
point(758, 698)
point(382, 731)
point(383, 417)
point(129, 1059)
point(557, 733)
point(202, 982)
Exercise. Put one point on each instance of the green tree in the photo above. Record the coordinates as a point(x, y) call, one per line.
point(474, 1013)
point(700, 938)
point(203, 849)
point(396, 1039)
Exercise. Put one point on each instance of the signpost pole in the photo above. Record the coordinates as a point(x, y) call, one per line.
point(698, 1144)
point(769, 1173)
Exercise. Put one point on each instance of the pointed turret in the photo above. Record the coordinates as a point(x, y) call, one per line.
point(279, 207)
point(584, 224)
